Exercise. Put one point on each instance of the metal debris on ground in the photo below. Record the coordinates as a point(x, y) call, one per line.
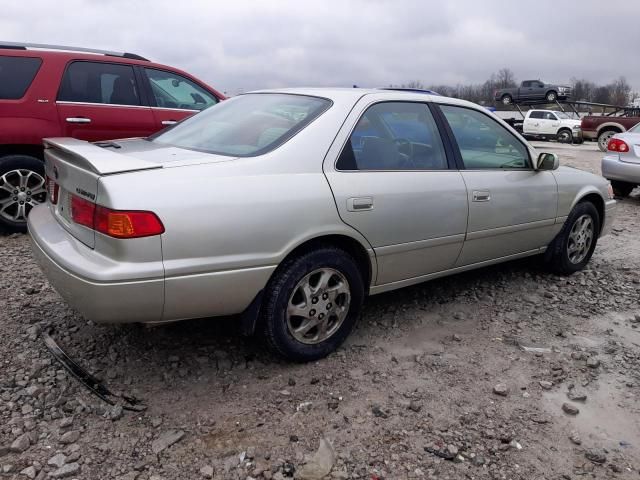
point(89, 381)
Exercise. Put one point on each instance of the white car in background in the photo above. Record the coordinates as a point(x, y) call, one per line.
point(552, 124)
point(621, 164)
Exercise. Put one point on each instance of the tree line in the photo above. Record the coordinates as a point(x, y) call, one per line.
point(618, 92)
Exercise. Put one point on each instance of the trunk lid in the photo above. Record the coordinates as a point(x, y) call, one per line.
point(76, 166)
point(633, 140)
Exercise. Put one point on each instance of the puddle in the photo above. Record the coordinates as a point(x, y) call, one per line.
point(607, 418)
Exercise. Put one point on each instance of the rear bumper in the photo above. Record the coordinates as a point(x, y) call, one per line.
point(62, 257)
point(589, 134)
point(614, 169)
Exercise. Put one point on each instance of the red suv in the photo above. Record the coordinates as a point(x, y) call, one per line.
point(53, 91)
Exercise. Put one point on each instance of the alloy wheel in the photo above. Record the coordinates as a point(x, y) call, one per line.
point(580, 239)
point(318, 306)
point(20, 191)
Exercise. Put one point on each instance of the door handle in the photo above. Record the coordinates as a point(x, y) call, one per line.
point(169, 122)
point(481, 195)
point(78, 120)
point(359, 204)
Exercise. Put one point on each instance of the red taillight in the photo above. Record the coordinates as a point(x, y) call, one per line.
point(127, 224)
point(82, 211)
point(617, 145)
point(115, 223)
point(53, 189)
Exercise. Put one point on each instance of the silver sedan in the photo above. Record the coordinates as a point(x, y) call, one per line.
point(621, 164)
point(289, 207)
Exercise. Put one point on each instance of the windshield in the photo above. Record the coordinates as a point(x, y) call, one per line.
point(245, 126)
point(562, 115)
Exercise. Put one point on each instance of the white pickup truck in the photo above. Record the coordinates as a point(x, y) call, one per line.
point(552, 124)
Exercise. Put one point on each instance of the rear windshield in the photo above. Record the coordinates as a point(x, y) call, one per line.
point(16, 74)
point(245, 126)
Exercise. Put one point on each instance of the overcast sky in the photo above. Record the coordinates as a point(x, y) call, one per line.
point(240, 45)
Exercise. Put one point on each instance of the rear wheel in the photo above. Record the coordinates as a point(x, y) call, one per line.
point(622, 189)
point(22, 187)
point(507, 99)
point(572, 248)
point(603, 139)
point(565, 136)
point(312, 304)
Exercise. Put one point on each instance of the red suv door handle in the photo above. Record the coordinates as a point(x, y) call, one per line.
point(78, 120)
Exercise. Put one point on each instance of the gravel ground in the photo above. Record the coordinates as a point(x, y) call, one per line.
point(506, 373)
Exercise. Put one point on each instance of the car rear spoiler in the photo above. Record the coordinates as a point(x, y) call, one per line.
point(91, 157)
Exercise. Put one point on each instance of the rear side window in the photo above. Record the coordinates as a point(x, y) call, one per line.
point(16, 74)
point(246, 125)
point(483, 142)
point(171, 90)
point(96, 82)
point(394, 136)
point(536, 114)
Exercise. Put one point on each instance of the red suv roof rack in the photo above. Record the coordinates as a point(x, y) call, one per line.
point(43, 46)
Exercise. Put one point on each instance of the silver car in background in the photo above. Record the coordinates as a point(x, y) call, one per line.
point(291, 206)
point(621, 164)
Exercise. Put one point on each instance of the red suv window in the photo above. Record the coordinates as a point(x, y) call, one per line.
point(16, 74)
point(99, 82)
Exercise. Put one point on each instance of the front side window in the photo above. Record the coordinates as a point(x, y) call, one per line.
point(246, 125)
point(175, 91)
point(550, 116)
point(394, 136)
point(97, 82)
point(16, 74)
point(483, 142)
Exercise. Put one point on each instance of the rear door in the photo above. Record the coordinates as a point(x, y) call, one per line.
point(390, 176)
point(174, 97)
point(532, 123)
point(549, 123)
point(512, 207)
point(102, 101)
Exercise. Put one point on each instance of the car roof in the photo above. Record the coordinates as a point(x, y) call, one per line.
point(337, 94)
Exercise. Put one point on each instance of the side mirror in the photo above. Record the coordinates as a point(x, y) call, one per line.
point(547, 161)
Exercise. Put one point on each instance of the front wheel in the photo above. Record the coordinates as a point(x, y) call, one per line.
point(565, 136)
point(551, 96)
point(572, 248)
point(312, 304)
point(22, 187)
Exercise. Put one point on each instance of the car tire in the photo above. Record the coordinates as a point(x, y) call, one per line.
point(622, 189)
point(20, 175)
point(603, 139)
point(506, 99)
point(551, 96)
point(565, 136)
point(333, 284)
point(570, 251)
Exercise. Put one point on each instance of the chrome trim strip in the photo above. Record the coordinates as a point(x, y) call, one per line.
point(492, 232)
point(64, 102)
point(418, 245)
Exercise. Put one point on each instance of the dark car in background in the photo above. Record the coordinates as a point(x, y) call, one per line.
point(54, 91)
point(532, 90)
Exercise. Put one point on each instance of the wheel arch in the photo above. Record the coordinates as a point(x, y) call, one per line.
point(36, 151)
point(596, 199)
point(363, 256)
point(610, 126)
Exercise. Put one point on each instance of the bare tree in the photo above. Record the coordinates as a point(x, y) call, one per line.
point(620, 91)
point(505, 78)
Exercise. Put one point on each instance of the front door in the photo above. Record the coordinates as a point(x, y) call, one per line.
point(101, 101)
point(512, 206)
point(175, 97)
point(392, 183)
point(549, 124)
